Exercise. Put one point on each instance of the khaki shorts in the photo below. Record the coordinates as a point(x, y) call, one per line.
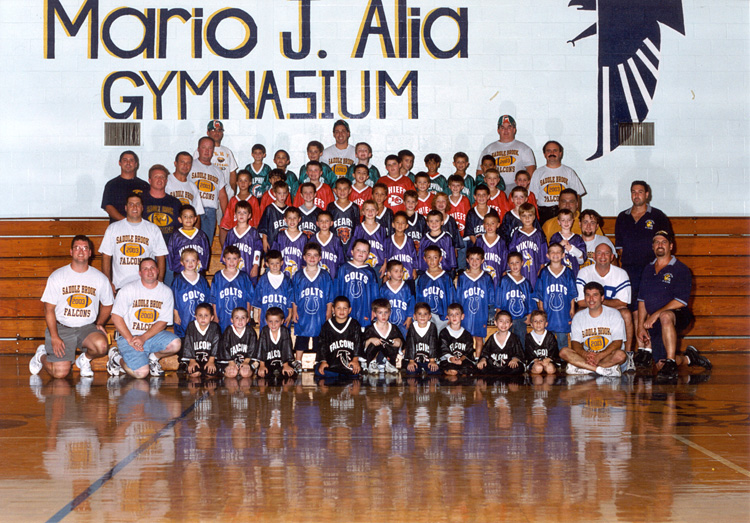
point(72, 338)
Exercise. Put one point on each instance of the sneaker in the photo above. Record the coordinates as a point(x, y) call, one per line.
point(84, 364)
point(643, 359)
point(297, 366)
point(390, 368)
point(613, 371)
point(114, 360)
point(696, 359)
point(154, 367)
point(35, 364)
point(629, 364)
point(83, 387)
point(572, 370)
point(372, 368)
point(668, 371)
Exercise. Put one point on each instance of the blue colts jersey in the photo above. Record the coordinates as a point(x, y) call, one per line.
point(229, 294)
point(291, 250)
point(187, 295)
point(515, 297)
point(554, 292)
point(360, 285)
point(402, 304)
point(267, 296)
point(312, 296)
point(475, 296)
point(438, 292)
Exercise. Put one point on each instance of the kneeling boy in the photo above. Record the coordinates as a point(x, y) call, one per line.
point(340, 346)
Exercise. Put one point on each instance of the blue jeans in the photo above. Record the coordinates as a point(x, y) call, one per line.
point(519, 329)
point(137, 359)
point(208, 223)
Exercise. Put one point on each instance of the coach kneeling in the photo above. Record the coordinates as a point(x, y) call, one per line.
point(141, 313)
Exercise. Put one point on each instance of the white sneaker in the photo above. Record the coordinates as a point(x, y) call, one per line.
point(84, 364)
point(35, 364)
point(613, 371)
point(154, 367)
point(576, 371)
point(390, 368)
point(372, 368)
point(114, 362)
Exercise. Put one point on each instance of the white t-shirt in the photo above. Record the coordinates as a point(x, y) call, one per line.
point(509, 158)
point(209, 180)
point(595, 334)
point(546, 184)
point(616, 283)
point(77, 295)
point(339, 160)
point(141, 307)
point(128, 243)
point(186, 192)
point(224, 160)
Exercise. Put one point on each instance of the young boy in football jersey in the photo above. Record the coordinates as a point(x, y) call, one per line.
point(371, 231)
point(555, 293)
point(487, 163)
point(461, 163)
point(502, 354)
point(274, 289)
point(243, 194)
point(384, 215)
point(274, 353)
point(422, 347)
point(246, 239)
point(406, 163)
point(362, 186)
point(475, 217)
point(237, 346)
point(340, 348)
point(188, 237)
point(416, 224)
point(382, 337)
point(282, 161)
point(575, 247)
point(399, 295)
point(424, 196)
point(258, 170)
point(542, 353)
point(460, 206)
point(344, 212)
point(314, 152)
point(313, 296)
point(442, 240)
point(400, 247)
point(530, 242)
point(497, 198)
point(396, 183)
point(230, 288)
point(201, 343)
point(523, 179)
point(435, 287)
point(291, 242)
point(442, 203)
point(363, 152)
point(189, 288)
point(331, 250)
point(512, 219)
point(456, 344)
point(323, 192)
point(437, 181)
point(272, 222)
point(516, 295)
point(493, 246)
point(269, 196)
point(358, 281)
point(308, 210)
point(475, 292)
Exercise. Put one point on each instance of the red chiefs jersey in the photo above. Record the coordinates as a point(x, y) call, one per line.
point(396, 190)
point(358, 198)
point(499, 203)
point(425, 206)
point(459, 211)
point(228, 221)
point(268, 199)
point(323, 197)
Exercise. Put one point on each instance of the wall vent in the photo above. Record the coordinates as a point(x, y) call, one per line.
point(122, 134)
point(633, 133)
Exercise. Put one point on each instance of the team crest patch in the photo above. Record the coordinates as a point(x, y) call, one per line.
point(372, 260)
point(205, 186)
point(489, 269)
point(160, 219)
point(344, 234)
point(79, 301)
point(527, 261)
point(291, 267)
point(147, 315)
point(650, 224)
point(132, 250)
point(596, 343)
point(220, 159)
point(406, 274)
point(667, 278)
point(324, 266)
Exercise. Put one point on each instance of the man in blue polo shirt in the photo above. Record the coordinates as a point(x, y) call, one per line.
point(663, 308)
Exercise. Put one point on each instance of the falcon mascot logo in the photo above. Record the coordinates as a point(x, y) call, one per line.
point(629, 54)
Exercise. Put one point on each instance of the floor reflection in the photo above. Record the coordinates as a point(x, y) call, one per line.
point(432, 449)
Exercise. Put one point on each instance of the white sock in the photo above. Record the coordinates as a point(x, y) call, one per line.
point(85, 357)
point(152, 357)
point(648, 349)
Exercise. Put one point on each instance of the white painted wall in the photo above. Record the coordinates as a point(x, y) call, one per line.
point(53, 163)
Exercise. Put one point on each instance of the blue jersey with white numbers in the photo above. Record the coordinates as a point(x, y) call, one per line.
point(402, 304)
point(267, 296)
point(187, 295)
point(308, 222)
point(438, 292)
point(515, 297)
point(226, 295)
point(475, 296)
point(291, 250)
point(417, 226)
point(554, 292)
point(360, 285)
point(312, 296)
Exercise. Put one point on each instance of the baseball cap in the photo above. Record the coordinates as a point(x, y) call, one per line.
point(215, 125)
point(665, 234)
point(506, 118)
point(604, 240)
point(341, 122)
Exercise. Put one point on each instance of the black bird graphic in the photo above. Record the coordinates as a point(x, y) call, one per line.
point(629, 54)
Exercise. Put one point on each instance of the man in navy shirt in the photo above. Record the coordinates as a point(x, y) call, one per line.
point(118, 189)
point(663, 308)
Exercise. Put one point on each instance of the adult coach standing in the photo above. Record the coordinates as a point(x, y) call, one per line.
point(77, 304)
point(340, 155)
point(141, 313)
point(160, 208)
point(551, 179)
point(223, 157)
point(663, 309)
point(118, 189)
point(211, 184)
point(510, 154)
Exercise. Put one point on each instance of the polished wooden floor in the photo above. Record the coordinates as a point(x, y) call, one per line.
point(600, 449)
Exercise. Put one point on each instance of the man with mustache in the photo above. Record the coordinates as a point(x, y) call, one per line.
point(549, 180)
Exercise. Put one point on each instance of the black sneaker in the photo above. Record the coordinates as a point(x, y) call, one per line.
point(696, 359)
point(668, 371)
point(643, 359)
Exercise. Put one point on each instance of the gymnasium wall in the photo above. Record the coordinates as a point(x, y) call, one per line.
point(428, 75)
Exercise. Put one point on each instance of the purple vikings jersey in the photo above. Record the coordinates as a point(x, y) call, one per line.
point(445, 242)
point(495, 256)
point(360, 285)
point(405, 253)
point(250, 248)
point(555, 294)
point(312, 296)
point(402, 304)
point(438, 292)
point(272, 222)
point(571, 261)
point(291, 250)
point(308, 222)
point(331, 254)
point(515, 297)
point(533, 248)
point(344, 221)
point(475, 296)
point(417, 226)
point(228, 294)
point(180, 240)
point(376, 239)
point(267, 296)
point(187, 295)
